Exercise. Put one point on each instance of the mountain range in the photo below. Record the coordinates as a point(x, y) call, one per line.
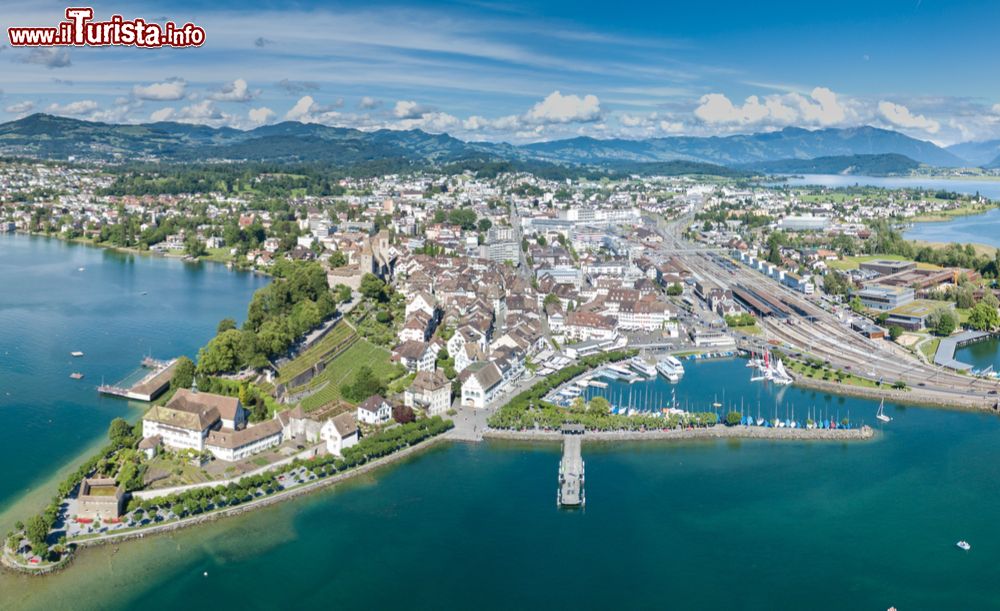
point(850, 149)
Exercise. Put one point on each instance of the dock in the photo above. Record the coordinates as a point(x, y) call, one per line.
point(153, 380)
point(571, 469)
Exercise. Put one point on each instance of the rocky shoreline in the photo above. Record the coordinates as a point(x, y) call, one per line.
point(719, 431)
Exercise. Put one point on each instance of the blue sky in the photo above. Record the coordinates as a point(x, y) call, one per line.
point(499, 70)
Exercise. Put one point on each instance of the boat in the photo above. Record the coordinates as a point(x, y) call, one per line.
point(642, 367)
point(80, 269)
point(598, 384)
point(964, 545)
point(880, 414)
point(76, 375)
point(670, 368)
point(76, 353)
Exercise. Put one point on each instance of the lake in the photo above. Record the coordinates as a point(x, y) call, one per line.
point(57, 298)
point(723, 524)
point(981, 355)
point(988, 188)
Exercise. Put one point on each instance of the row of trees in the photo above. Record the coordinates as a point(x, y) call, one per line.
point(279, 314)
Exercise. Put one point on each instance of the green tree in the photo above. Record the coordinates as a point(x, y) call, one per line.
point(221, 354)
point(675, 289)
point(121, 433)
point(733, 418)
point(984, 317)
point(194, 247)
point(946, 324)
point(599, 405)
point(224, 325)
point(37, 532)
point(372, 287)
point(337, 259)
point(365, 384)
point(183, 373)
point(895, 331)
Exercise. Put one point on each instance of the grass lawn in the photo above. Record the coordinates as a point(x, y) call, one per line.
point(342, 370)
point(220, 255)
point(827, 374)
point(981, 249)
point(749, 330)
point(848, 263)
point(929, 348)
point(309, 358)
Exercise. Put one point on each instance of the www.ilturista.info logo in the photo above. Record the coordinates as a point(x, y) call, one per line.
point(80, 29)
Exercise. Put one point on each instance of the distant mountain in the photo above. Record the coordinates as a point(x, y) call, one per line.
point(47, 136)
point(868, 165)
point(977, 153)
point(789, 143)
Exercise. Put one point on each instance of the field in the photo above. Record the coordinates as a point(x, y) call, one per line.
point(849, 263)
point(342, 370)
point(310, 357)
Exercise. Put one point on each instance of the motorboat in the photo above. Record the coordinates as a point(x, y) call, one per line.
point(964, 545)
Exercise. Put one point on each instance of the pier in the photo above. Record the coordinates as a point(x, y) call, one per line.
point(150, 385)
point(945, 355)
point(571, 468)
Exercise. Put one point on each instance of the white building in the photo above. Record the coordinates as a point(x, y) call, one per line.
point(374, 410)
point(339, 433)
point(430, 391)
point(481, 386)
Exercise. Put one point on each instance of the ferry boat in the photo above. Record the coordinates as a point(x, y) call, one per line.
point(670, 368)
point(642, 367)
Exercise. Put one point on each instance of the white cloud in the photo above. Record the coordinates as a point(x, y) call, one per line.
point(237, 91)
point(169, 90)
point(307, 110)
point(432, 122)
point(73, 109)
point(20, 107)
point(671, 127)
point(260, 116)
point(822, 108)
point(558, 108)
point(301, 109)
point(163, 114)
point(827, 109)
point(900, 116)
point(408, 109)
point(368, 103)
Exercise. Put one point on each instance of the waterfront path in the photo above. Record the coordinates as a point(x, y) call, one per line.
point(257, 503)
point(719, 431)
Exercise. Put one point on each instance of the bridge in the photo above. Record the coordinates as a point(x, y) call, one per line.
point(571, 468)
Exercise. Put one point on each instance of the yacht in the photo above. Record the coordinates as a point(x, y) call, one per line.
point(670, 368)
point(964, 545)
point(880, 414)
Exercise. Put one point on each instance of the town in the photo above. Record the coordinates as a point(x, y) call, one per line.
point(405, 307)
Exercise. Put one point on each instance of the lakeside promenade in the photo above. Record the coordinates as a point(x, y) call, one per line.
point(718, 431)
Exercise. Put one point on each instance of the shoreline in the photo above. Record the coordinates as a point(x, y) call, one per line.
point(913, 396)
point(718, 431)
point(129, 250)
point(188, 522)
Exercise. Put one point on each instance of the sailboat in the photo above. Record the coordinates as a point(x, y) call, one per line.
point(880, 414)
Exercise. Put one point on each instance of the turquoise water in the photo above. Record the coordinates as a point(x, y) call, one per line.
point(49, 308)
point(699, 525)
point(979, 228)
point(988, 188)
point(981, 354)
